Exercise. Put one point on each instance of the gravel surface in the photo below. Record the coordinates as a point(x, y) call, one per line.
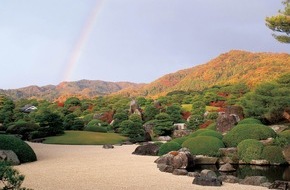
point(71, 167)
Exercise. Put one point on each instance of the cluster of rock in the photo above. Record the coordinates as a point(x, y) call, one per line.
point(9, 156)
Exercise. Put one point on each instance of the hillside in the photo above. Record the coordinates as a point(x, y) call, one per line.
point(228, 68)
point(82, 89)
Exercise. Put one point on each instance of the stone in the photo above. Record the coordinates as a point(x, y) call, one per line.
point(278, 128)
point(176, 159)
point(148, 149)
point(278, 184)
point(227, 168)
point(108, 146)
point(268, 141)
point(9, 156)
point(206, 181)
point(229, 179)
point(180, 172)
point(228, 119)
point(260, 162)
point(254, 180)
point(166, 159)
point(180, 133)
point(193, 174)
point(201, 160)
point(267, 184)
point(165, 168)
point(164, 138)
point(286, 153)
point(208, 174)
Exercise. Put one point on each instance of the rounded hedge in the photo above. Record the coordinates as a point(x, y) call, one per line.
point(21, 148)
point(180, 140)
point(250, 121)
point(197, 132)
point(250, 149)
point(247, 131)
point(95, 129)
point(212, 127)
point(273, 154)
point(204, 145)
point(212, 134)
point(167, 147)
point(286, 135)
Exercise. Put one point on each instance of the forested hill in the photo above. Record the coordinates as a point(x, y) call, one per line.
point(233, 67)
point(82, 89)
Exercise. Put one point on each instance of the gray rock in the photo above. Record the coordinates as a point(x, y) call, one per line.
point(148, 149)
point(227, 168)
point(193, 174)
point(254, 180)
point(268, 141)
point(278, 184)
point(207, 181)
point(166, 159)
point(165, 168)
point(9, 156)
point(164, 138)
point(208, 174)
point(108, 146)
point(180, 172)
point(176, 159)
point(201, 160)
point(229, 179)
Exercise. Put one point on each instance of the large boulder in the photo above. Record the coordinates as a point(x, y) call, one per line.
point(208, 173)
point(278, 128)
point(176, 159)
point(180, 172)
point(227, 168)
point(9, 156)
point(228, 119)
point(280, 185)
point(165, 168)
point(148, 149)
point(254, 180)
point(202, 160)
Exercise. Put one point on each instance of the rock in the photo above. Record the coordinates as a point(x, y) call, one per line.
point(201, 160)
point(208, 174)
point(205, 181)
point(267, 142)
point(278, 128)
point(108, 146)
point(148, 149)
point(254, 180)
point(228, 119)
point(193, 174)
point(286, 153)
point(227, 168)
point(148, 127)
point(180, 133)
point(176, 159)
point(165, 168)
point(267, 184)
point(9, 156)
point(166, 159)
point(280, 185)
point(164, 138)
point(260, 162)
point(229, 179)
point(180, 172)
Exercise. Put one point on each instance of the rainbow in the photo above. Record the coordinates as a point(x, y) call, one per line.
point(82, 40)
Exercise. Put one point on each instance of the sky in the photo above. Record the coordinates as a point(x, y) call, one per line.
point(50, 41)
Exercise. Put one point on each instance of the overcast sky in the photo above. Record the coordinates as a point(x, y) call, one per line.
point(48, 41)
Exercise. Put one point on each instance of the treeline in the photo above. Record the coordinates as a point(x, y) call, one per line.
point(268, 102)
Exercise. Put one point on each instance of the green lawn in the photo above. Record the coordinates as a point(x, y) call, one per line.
point(188, 107)
point(85, 138)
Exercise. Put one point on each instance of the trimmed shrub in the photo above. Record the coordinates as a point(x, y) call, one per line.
point(167, 147)
point(212, 134)
point(95, 129)
point(22, 128)
point(204, 145)
point(197, 132)
point(180, 140)
point(250, 121)
point(247, 131)
point(158, 143)
point(250, 149)
point(273, 154)
point(21, 149)
point(212, 127)
point(286, 135)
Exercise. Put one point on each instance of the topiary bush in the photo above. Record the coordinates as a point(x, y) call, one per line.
point(197, 132)
point(273, 154)
point(167, 147)
point(286, 135)
point(180, 140)
point(204, 145)
point(22, 128)
point(212, 127)
point(250, 149)
point(95, 129)
point(21, 148)
point(212, 134)
point(247, 131)
point(250, 121)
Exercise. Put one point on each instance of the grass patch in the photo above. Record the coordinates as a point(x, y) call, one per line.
point(85, 138)
point(186, 107)
point(211, 108)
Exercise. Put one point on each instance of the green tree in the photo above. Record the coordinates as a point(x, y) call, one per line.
point(163, 124)
point(50, 123)
point(150, 111)
point(118, 119)
point(281, 23)
point(7, 111)
point(174, 111)
point(133, 129)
